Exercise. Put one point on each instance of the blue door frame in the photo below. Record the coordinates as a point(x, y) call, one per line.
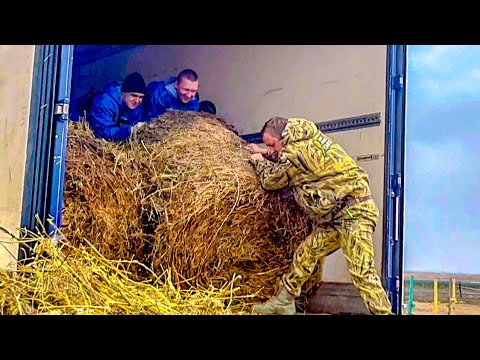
point(395, 169)
point(45, 165)
point(61, 116)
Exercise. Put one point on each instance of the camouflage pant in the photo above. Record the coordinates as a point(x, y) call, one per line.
point(353, 234)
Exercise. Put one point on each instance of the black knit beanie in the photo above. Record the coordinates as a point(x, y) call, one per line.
point(134, 83)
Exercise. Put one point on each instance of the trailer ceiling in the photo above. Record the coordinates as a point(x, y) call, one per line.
point(84, 54)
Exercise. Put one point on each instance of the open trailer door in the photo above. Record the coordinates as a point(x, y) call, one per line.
point(395, 169)
point(46, 143)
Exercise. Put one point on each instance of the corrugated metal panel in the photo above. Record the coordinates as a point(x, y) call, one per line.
point(40, 140)
point(47, 137)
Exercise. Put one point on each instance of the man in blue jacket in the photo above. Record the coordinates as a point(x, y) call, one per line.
point(176, 93)
point(117, 111)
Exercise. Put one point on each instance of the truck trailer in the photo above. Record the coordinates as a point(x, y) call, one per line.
point(354, 93)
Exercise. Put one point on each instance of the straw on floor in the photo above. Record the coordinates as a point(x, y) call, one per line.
point(78, 280)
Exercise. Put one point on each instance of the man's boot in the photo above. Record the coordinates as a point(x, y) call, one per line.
point(281, 304)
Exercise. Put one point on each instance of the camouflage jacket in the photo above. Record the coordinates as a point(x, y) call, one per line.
point(318, 170)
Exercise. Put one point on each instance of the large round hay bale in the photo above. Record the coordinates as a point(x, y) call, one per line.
point(182, 196)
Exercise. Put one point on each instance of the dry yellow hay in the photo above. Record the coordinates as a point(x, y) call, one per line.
point(181, 197)
point(76, 280)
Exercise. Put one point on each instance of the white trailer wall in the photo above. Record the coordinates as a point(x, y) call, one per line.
point(251, 83)
point(16, 71)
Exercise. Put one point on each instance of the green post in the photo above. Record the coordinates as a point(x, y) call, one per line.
point(411, 305)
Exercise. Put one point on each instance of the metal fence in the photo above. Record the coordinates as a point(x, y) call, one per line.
point(462, 292)
point(437, 291)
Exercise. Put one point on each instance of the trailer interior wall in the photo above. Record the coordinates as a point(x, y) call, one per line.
point(16, 71)
point(251, 83)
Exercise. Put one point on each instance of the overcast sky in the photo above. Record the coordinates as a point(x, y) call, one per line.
point(442, 202)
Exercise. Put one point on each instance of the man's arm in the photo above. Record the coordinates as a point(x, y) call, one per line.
point(272, 175)
point(103, 123)
point(266, 152)
point(155, 101)
point(257, 149)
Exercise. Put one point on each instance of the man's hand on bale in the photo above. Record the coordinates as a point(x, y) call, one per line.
point(256, 156)
point(256, 149)
point(135, 129)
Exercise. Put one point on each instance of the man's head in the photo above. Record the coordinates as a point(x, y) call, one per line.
point(186, 85)
point(133, 90)
point(272, 133)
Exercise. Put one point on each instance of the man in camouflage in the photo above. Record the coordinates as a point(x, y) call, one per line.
point(335, 193)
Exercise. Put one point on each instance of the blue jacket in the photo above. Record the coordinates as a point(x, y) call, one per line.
point(162, 96)
point(109, 116)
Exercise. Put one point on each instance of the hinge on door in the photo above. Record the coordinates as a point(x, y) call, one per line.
point(397, 82)
point(62, 109)
point(393, 283)
point(395, 185)
point(395, 192)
